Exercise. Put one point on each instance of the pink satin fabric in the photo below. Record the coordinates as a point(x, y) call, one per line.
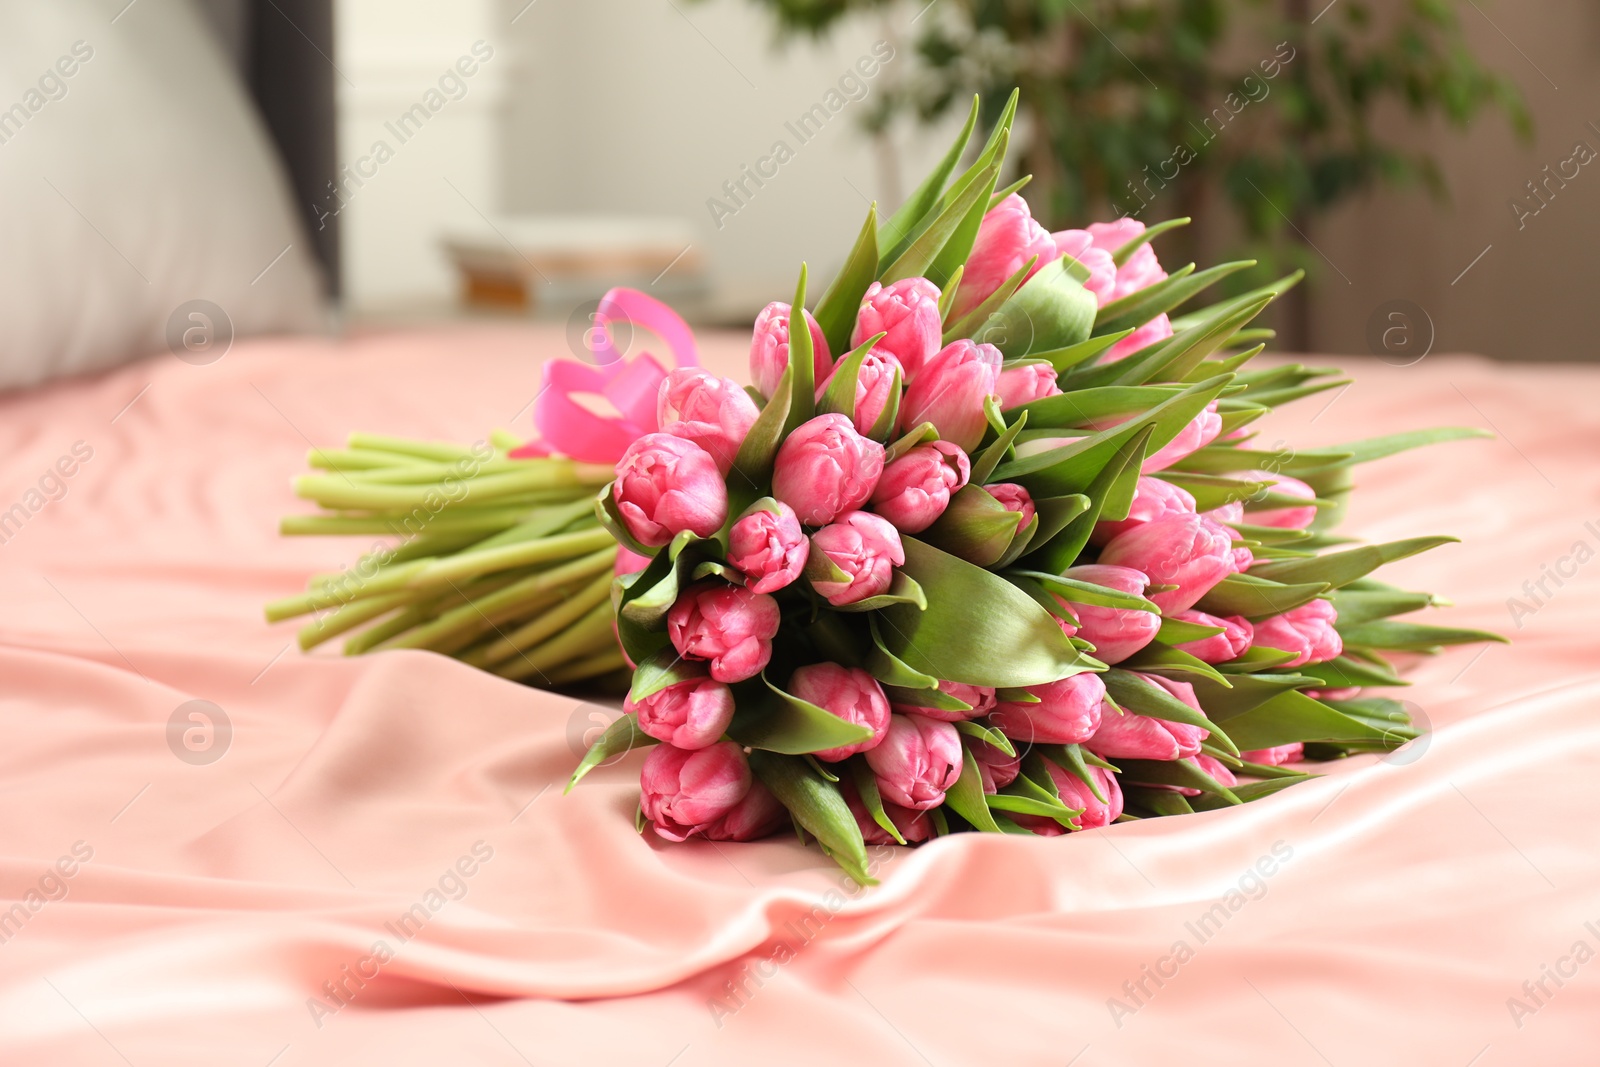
point(1417, 896)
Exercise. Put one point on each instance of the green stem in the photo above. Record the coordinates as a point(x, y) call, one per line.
point(348, 618)
point(337, 491)
point(588, 667)
point(584, 638)
point(546, 626)
point(438, 451)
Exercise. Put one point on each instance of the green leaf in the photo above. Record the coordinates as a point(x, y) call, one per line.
point(888, 668)
point(1051, 311)
point(1159, 658)
point(836, 311)
point(1256, 659)
point(1255, 597)
point(974, 526)
point(866, 784)
point(919, 257)
point(1075, 760)
point(1379, 447)
point(621, 736)
point(947, 295)
point(1125, 253)
point(605, 510)
point(802, 362)
point(1357, 606)
point(1110, 493)
point(966, 797)
point(920, 434)
point(1077, 591)
point(1272, 290)
point(840, 395)
point(925, 698)
point(1291, 716)
point(883, 427)
point(985, 462)
point(1180, 772)
point(1343, 672)
point(816, 805)
point(1156, 802)
point(1216, 459)
point(1083, 406)
point(1140, 307)
point(902, 590)
point(1341, 568)
point(986, 733)
point(904, 222)
point(968, 324)
point(665, 668)
point(1064, 359)
point(768, 718)
point(752, 465)
point(1146, 698)
point(1410, 636)
point(1178, 632)
point(978, 628)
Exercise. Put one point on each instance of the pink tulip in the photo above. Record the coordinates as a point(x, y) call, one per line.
point(757, 815)
point(1276, 756)
point(1026, 383)
point(666, 485)
point(877, 382)
point(1307, 631)
point(979, 700)
point(1007, 238)
point(917, 760)
point(1079, 245)
point(1115, 633)
point(1156, 330)
point(996, 770)
point(683, 792)
point(688, 715)
point(1229, 514)
point(1152, 499)
point(1141, 270)
point(914, 826)
point(848, 692)
point(769, 348)
point(906, 310)
point(825, 468)
point(950, 390)
point(1231, 643)
point(1075, 793)
point(1199, 432)
point(715, 413)
point(1186, 551)
point(1291, 518)
point(916, 488)
point(866, 547)
point(1131, 736)
point(1068, 712)
point(1015, 498)
point(769, 548)
point(726, 624)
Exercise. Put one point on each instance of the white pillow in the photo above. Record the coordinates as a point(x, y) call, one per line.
point(135, 179)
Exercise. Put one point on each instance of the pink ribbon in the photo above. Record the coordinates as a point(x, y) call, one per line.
point(567, 427)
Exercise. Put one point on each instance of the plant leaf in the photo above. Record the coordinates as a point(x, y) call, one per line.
point(818, 807)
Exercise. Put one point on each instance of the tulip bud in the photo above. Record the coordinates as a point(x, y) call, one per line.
point(683, 792)
point(979, 699)
point(996, 770)
point(1079, 245)
point(825, 468)
point(906, 310)
point(1186, 551)
point(1199, 432)
point(1015, 498)
point(687, 715)
point(1131, 736)
point(848, 692)
point(854, 558)
point(1276, 756)
point(1026, 383)
point(715, 413)
point(726, 624)
point(1075, 793)
point(1291, 518)
point(769, 348)
point(1210, 765)
point(1140, 271)
point(1231, 643)
point(1152, 499)
point(877, 382)
point(757, 815)
point(950, 390)
point(666, 485)
point(1307, 631)
point(1155, 331)
point(917, 760)
point(1115, 633)
point(629, 562)
point(914, 826)
point(915, 489)
point(1068, 712)
point(768, 547)
point(1007, 238)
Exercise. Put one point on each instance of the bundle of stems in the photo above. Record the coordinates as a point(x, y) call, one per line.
point(496, 561)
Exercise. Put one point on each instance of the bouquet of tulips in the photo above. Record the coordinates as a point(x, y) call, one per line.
point(986, 545)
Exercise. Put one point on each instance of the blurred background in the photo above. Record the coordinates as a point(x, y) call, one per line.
point(1425, 161)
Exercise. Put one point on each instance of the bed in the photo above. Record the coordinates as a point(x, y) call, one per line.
point(372, 860)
